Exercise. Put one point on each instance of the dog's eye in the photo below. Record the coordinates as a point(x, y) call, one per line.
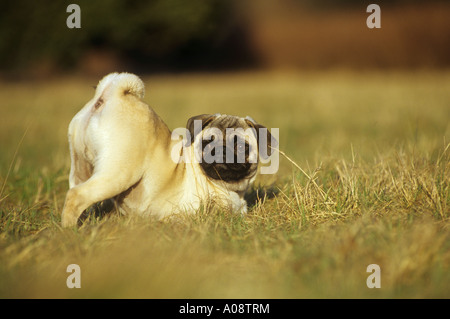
point(238, 143)
point(208, 139)
point(243, 148)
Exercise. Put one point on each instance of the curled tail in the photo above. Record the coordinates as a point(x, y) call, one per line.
point(121, 83)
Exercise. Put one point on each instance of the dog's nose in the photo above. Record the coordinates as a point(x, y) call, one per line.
point(228, 154)
point(233, 156)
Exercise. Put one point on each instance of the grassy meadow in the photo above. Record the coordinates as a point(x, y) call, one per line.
point(366, 182)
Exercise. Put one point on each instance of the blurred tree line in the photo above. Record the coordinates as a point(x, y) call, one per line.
point(342, 4)
point(178, 35)
point(152, 34)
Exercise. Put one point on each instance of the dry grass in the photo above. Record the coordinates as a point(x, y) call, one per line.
point(367, 182)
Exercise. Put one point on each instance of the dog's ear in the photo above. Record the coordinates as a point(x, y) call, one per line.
point(268, 141)
point(205, 118)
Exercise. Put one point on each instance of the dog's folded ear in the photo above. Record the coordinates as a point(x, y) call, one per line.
point(266, 142)
point(193, 130)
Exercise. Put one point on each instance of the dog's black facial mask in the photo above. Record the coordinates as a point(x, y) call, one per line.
point(233, 164)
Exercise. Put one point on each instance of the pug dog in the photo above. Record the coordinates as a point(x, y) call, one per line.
point(121, 149)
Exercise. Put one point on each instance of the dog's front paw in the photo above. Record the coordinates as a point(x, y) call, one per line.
point(68, 220)
point(243, 209)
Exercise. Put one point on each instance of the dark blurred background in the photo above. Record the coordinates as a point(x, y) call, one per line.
point(151, 36)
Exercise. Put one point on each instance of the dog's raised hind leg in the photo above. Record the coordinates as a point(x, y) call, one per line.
point(97, 188)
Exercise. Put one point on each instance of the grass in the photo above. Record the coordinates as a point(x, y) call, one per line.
point(366, 181)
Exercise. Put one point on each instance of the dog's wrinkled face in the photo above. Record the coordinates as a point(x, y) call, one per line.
point(228, 146)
